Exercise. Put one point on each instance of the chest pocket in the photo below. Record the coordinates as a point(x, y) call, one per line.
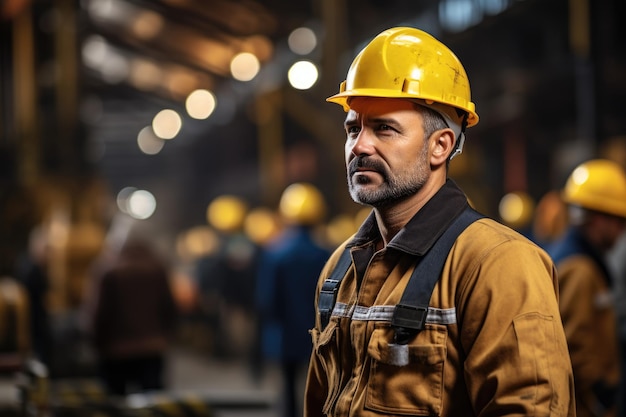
point(407, 379)
point(326, 348)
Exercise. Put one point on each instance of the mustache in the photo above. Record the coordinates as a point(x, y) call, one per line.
point(368, 163)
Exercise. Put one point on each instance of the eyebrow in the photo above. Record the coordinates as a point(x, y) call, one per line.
point(350, 121)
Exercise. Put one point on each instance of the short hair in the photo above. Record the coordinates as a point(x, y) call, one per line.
point(432, 120)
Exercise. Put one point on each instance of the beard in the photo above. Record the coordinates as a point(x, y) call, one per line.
point(395, 186)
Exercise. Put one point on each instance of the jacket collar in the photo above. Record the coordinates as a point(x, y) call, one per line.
point(423, 230)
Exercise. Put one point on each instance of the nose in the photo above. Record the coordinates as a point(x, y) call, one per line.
point(363, 144)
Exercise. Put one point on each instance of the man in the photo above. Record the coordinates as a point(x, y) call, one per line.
point(287, 276)
point(492, 343)
point(132, 315)
point(596, 195)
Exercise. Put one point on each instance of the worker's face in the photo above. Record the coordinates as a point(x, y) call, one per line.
point(387, 156)
point(613, 228)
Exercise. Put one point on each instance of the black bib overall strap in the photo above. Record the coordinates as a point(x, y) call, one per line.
point(410, 315)
point(328, 293)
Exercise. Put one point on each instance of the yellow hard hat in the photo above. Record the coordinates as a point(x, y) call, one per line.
point(302, 203)
point(226, 213)
point(405, 62)
point(598, 184)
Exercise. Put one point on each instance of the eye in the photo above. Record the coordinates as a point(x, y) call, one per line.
point(385, 130)
point(352, 130)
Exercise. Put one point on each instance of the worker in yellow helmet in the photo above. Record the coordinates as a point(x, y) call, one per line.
point(227, 280)
point(430, 309)
point(288, 272)
point(595, 193)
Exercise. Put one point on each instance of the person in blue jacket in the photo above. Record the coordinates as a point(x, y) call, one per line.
point(288, 273)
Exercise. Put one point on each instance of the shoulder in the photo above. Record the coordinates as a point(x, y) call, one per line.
point(492, 267)
point(494, 254)
point(487, 235)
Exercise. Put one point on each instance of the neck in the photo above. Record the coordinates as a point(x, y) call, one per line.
point(391, 219)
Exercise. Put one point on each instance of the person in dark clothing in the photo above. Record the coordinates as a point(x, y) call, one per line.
point(133, 316)
point(287, 278)
point(32, 273)
point(228, 280)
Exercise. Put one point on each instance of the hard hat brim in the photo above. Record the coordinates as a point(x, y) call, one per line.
point(343, 98)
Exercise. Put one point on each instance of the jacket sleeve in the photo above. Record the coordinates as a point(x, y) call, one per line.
point(517, 362)
point(316, 389)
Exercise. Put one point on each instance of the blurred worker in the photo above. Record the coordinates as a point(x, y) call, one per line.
point(263, 226)
point(616, 260)
point(133, 316)
point(32, 272)
point(229, 280)
point(288, 273)
point(596, 195)
point(15, 337)
point(550, 219)
point(476, 331)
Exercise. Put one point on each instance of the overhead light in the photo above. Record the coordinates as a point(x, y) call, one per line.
point(200, 104)
point(141, 204)
point(147, 24)
point(145, 74)
point(101, 57)
point(148, 142)
point(166, 124)
point(244, 66)
point(302, 75)
point(302, 41)
point(122, 198)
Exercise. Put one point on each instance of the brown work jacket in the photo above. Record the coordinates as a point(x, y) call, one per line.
point(493, 344)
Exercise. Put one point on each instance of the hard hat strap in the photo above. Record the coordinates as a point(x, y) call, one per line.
point(461, 140)
point(458, 149)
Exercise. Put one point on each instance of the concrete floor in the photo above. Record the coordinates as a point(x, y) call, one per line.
point(228, 384)
point(211, 387)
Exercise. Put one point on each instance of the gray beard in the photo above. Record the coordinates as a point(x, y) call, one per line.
point(394, 188)
point(387, 194)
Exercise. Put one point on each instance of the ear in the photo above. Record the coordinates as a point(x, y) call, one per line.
point(441, 146)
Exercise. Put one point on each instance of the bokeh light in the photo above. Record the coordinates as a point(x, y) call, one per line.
point(122, 198)
point(302, 41)
point(166, 124)
point(200, 104)
point(302, 75)
point(141, 204)
point(148, 142)
point(516, 209)
point(245, 66)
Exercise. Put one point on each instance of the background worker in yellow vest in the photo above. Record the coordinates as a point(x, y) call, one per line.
point(596, 196)
point(489, 341)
